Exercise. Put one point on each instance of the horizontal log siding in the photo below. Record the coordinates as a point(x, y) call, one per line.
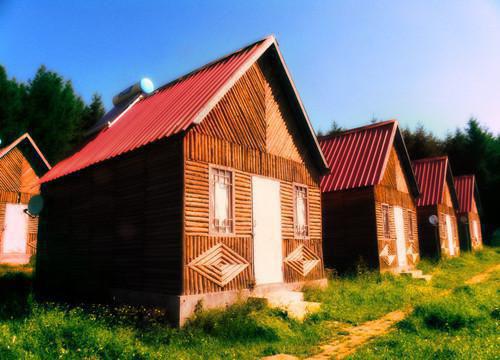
point(203, 148)
point(116, 225)
point(349, 229)
point(428, 234)
point(18, 183)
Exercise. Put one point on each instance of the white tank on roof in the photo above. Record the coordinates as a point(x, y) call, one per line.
point(145, 86)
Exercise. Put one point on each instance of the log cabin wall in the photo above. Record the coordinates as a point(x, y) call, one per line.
point(392, 191)
point(434, 241)
point(473, 215)
point(251, 131)
point(115, 225)
point(476, 243)
point(349, 229)
point(429, 235)
point(18, 183)
point(443, 209)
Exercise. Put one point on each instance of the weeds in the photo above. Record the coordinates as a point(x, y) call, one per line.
point(250, 329)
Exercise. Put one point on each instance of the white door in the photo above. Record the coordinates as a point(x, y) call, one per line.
point(476, 230)
point(15, 229)
point(268, 256)
point(449, 235)
point(400, 236)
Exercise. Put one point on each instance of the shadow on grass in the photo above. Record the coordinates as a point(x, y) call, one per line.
point(15, 295)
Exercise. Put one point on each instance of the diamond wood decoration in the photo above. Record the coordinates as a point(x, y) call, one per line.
point(411, 254)
point(302, 260)
point(219, 264)
point(384, 255)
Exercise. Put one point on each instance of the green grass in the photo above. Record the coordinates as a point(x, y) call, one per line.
point(462, 325)
point(250, 330)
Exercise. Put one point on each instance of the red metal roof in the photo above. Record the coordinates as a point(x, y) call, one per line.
point(172, 109)
point(168, 111)
point(465, 192)
point(431, 179)
point(357, 157)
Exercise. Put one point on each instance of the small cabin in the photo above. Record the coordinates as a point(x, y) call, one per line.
point(21, 165)
point(369, 213)
point(436, 208)
point(468, 212)
point(204, 191)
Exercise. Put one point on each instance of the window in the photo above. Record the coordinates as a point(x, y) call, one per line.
point(221, 201)
point(411, 230)
point(301, 211)
point(385, 221)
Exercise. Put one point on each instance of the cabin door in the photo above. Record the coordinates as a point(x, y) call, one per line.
point(400, 236)
point(15, 229)
point(476, 231)
point(268, 253)
point(449, 235)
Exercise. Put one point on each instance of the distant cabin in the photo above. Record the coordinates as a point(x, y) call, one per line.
point(21, 165)
point(437, 197)
point(468, 212)
point(202, 192)
point(369, 213)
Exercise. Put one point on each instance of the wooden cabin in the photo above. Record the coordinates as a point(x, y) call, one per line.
point(468, 212)
point(437, 197)
point(369, 212)
point(21, 165)
point(202, 192)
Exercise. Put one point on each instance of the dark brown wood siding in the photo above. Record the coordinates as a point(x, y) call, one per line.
point(116, 225)
point(349, 229)
point(428, 234)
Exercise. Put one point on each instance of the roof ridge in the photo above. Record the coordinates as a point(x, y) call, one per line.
point(430, 159)
point(464, 176)
point(209, 64)
point(358, 129)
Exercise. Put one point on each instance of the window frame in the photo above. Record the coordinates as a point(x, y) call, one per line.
point(411, 228)
point(386, 234)
point(296, 235)
point(211, 201)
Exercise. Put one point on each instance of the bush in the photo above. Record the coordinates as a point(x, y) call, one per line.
point(446, 314)
point(246, 321)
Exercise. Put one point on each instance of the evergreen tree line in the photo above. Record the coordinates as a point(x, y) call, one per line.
point(471, 150)
point(48, 108)
point(57, 118)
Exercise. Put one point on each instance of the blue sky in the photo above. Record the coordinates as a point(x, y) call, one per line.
point(434, 62)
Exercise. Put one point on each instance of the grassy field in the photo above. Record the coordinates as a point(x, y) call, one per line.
point(462, 324)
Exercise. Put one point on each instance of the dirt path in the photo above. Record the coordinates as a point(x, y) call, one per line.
point(359, 335)
point(483, 276)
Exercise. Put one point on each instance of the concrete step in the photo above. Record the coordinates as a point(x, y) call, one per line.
point(285, 297)
point(425, 277)
point(416, 274)
point(14, 259)
point(292, 302)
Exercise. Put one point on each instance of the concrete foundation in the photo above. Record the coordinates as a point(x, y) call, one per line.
point(181, 307)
